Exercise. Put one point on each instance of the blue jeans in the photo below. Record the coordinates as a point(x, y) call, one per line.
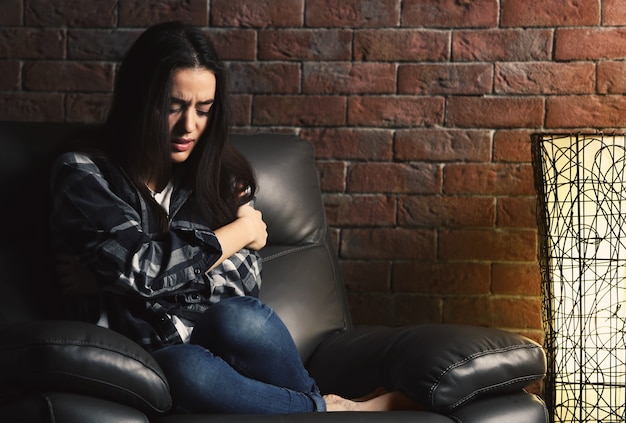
point(241, 359)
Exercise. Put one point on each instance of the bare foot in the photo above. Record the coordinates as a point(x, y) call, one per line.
point(337, 403)
point(387, 401)
point(376, 393)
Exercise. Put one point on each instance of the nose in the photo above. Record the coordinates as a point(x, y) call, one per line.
point(187, 121)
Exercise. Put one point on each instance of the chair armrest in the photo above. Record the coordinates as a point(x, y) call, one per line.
point(441, 366)
point(60, 407)
point(516, 407)
point(68, 356)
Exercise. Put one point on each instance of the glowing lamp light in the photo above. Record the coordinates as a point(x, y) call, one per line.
point(581, 189)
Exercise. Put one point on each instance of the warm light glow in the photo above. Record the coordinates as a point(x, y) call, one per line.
point(586, 209)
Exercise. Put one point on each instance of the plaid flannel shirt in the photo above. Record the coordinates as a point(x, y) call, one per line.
point(100, 218)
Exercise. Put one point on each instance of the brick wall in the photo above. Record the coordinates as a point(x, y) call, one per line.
point(420, 111)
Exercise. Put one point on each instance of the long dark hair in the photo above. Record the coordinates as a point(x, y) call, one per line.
point(138, 131)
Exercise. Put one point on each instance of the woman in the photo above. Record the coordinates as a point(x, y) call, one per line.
point(161, 214)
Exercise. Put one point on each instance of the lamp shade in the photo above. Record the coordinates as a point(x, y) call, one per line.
point(581, 191)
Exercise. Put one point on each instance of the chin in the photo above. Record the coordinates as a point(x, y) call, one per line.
point(179, 157)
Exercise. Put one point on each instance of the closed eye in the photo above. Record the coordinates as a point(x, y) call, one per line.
point(178, 106)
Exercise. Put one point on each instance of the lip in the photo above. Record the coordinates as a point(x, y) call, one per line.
point(182, 144)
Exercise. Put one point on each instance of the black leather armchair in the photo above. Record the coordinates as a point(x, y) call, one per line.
point(53, 370)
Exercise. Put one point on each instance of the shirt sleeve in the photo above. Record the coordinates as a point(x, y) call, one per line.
point(106, 234)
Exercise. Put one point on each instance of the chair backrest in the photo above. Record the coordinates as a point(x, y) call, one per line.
point(300, 277)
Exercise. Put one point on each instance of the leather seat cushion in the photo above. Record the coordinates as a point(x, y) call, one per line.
point(81, 358)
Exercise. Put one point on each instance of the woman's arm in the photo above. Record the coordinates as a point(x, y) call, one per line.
point(100, 226)
point(247, 231)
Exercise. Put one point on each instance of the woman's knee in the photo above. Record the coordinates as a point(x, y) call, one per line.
point(232, 318)
point(238, 307)
point(239, 319)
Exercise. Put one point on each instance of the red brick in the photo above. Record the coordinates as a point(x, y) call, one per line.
point(250, 130)
point(349, 78)
point(441, 278)
point(352, 13)
point(442, 145)
point(489, 179)
point(586, 111)
point(613, 13)
point(90, 44)
point(12, 12)
point(387, 243)
point(516, 279)
point(550, 13)
point(515, 312)
point(350, 143)
point(474, 310)
point(67, 76)
point(87, 108)
point(305, 44)
point(241, 109)
point(397, 45)
point(264, 78)
point(510, 313)
point(138, 13)
point(486, 244)
point(512, 146)
point(393, 310)
point(411, 309)
point(394, 178)
point(450, 13)
point(233, 44)
point(506, 45)
point(446, 211)
point(590, 43)
point(495, 112)
point(517, 212)
point(360, 210)
point(395, 111)
point(10, 71)
point(30, 43)
point(332, 176)
point(368, 308)
point(545, 78)
point(299, 110)
point(72, 13)
point(382, 137)
point(257, 14)
point(450, 78)
point(31, 107)
point(366, 276)
point(611, 77)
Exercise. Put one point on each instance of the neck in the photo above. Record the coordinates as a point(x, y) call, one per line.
point(155, 184)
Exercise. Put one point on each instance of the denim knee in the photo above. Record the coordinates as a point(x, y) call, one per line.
point(234, 320)
point(254, 340)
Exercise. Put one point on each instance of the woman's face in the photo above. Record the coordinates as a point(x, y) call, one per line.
point(193, 94)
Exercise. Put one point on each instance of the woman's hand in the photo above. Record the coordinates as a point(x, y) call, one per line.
point(247, 231)
point(257, 227)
